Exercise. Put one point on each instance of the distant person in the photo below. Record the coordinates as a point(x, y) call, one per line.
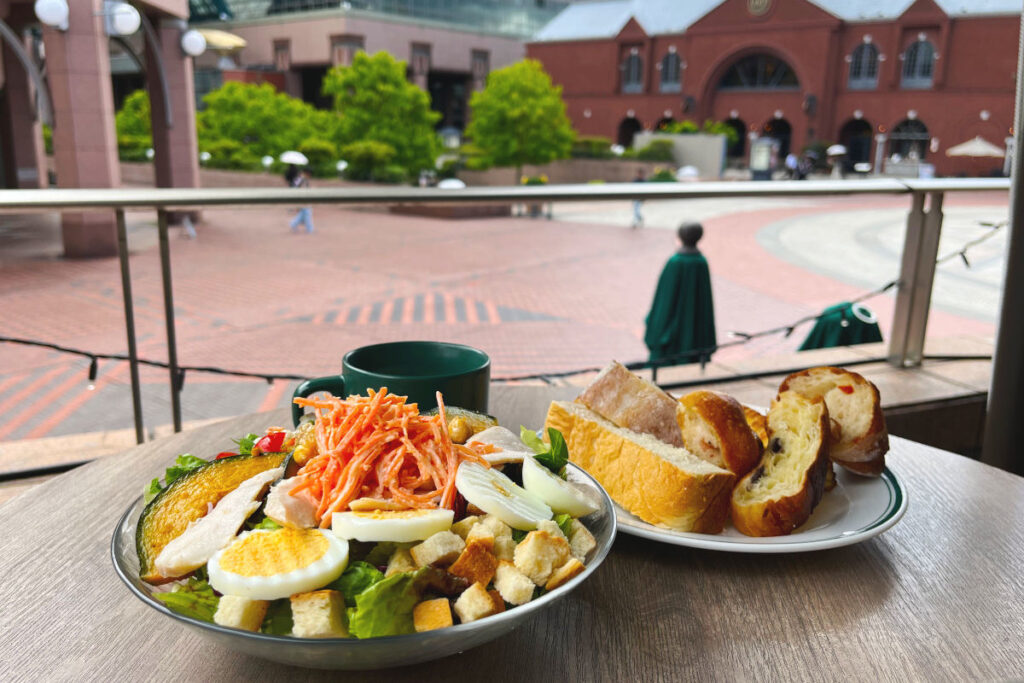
point(305, 214)
point(291, 175)
point(681, 322)
point(804, 167)
point(638, 204)
point(792, 165)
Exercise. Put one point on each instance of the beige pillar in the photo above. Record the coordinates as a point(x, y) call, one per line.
point(21, 133)
point(84, 141)
point(176, 157)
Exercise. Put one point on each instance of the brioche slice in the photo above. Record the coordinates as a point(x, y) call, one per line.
point(780, 494)
point(861, 440)
point(633, 403)
point(659, 483)
point(757, 423)
point(714, 428)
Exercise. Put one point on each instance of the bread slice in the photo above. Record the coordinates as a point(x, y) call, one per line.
point(634, 403)
point(780, 494)
point(861, 440)
point(757, 422)
point(714, 428)
point(659, 483)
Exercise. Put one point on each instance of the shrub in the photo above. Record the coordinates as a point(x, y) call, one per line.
point(684, 127)
point(662, 175)
point(133, 147)
point(592, 147)
point(541, 179)
point(133, 127)
point(478, 163)
point(367, 159)
point(47, 139)
point(448, 168)
point(391, 173)
point(657, 150)
point(322, 155)
point(230, 154)
point(732, 136)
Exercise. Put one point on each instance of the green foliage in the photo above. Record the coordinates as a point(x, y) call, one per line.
point(367, 159)
point(541, 179)
point(391, 173)
point(688, 127)
point(474, 158)
point(732, 136)
point(322, 155)
point(375, 103)
point(684, 127)
point(133, 147)
point(657, 150)
point(662, 175)
point(48, 139)
point(232, 155)
point(519, 118)
point(592, 147)
point(134, 130)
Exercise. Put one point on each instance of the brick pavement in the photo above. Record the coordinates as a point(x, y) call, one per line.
point(537, 295)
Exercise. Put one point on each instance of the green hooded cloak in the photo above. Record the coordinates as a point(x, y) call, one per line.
point(682, 316)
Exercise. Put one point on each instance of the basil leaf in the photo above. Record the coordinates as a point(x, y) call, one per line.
point(556, 457)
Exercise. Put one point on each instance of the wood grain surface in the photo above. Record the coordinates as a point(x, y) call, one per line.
point(938, 597)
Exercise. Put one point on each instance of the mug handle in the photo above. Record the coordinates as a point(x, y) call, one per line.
point(334, 384)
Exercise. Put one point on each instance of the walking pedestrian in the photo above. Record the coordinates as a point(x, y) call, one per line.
point(305, 214)
point(638, 204)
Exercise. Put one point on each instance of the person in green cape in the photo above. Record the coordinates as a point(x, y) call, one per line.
point(682, 316)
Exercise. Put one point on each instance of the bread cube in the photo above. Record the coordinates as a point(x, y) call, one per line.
point(505, 547)
point(462, 527)
point(515, 587)
point(539, 554)
point(235, 611)
point(480, 534)
point(400, 562)
point(439, 550)
point(581, 541)
point(474, 603)
point(499, 604)
point(432, 614)
point(496, 526)
point(476, 563)
point(318, 615)
point(567, 571)
point(551, 526)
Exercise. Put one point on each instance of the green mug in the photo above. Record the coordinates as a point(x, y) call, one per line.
point(416, 369)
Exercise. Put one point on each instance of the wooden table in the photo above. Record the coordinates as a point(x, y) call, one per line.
point(938, 597)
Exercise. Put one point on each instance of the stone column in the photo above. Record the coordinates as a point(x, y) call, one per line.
point(176, 155)
point(22, 132)
point(84, 141)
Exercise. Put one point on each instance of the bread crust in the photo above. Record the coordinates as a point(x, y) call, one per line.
point(863, 453)
point(756, 422)
point(632, 402)
point(780, 516)
point(649, 486)
point(738, 448)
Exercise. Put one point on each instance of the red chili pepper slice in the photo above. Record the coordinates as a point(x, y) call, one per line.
point(225, 454)
point(271, 443)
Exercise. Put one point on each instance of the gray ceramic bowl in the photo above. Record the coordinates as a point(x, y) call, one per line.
point(374, 653)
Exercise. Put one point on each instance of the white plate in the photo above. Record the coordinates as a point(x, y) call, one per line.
point(857, 509)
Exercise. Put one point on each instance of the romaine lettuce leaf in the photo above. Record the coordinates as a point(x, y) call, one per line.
point(266, 523)
point(356, 578)
point(194, 599)
point(246, 443)
point(564, 522)
point(385, 608)
point(183, 464)
point(278, 621)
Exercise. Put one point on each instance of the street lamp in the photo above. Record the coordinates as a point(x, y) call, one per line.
point(267, 161)
point(53, 13)
point(193, 43)
point(120, 18)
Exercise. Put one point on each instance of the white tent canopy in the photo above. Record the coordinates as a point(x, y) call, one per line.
point(976, 147)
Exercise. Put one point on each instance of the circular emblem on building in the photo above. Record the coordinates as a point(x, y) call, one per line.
point(759, 7)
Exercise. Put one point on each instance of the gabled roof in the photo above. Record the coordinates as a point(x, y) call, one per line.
point(874, 10)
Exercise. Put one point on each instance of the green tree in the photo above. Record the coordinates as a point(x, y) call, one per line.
point(519, 118)
point(133, 126)
point(376, 103)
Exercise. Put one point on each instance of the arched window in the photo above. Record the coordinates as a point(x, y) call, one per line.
point(759, 72)
point(909, 139)
point(864, 67)
point(918, 65)
point(632, 72)
point(671, 80)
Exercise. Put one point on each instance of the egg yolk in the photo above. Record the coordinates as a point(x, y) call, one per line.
point(277, 552)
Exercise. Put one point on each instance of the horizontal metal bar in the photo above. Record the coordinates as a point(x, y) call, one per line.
point(166, 198)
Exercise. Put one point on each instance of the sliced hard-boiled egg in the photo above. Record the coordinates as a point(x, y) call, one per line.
point(400, 526)
point(559, 495)
point(267, 565)
point(510, 447)
point(496, 494)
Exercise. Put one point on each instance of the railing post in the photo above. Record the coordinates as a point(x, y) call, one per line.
point(917, 274)
point(172, 342)
point(129, 323)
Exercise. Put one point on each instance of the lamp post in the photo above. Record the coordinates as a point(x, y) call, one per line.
point(880, 141)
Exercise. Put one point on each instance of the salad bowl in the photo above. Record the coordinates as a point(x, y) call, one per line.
point(372, 653)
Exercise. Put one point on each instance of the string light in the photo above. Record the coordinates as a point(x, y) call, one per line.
point(93, 369)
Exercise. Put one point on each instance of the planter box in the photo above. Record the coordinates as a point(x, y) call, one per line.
point(453, 211)
point(704, 151)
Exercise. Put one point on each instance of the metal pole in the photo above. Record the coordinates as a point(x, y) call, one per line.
point(908, 272)
point(172, 343)
point(129, 323)
point(1004, 429)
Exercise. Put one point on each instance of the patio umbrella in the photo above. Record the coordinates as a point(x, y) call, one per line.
point(976, 147)
point(836, 150)
point(682, 316)
point(293, 157)
point(844, 324)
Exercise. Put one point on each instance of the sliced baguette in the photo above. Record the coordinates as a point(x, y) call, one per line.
point(780, 494)
point(714, 428)
point(633, 403)
point(861, 440)
point(659, 483)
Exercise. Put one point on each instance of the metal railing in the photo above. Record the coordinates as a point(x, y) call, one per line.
point(913, 297)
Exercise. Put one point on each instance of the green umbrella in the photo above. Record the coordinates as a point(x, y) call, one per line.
point(682, 316)
point(844, 324)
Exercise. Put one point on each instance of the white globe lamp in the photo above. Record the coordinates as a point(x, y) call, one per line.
point(193, 43)
point(122, 18)
point(53, 13)
point(267, 161)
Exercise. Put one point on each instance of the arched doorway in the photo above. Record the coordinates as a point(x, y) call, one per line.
point(781, 131)
point(909, 139)
point(856, 136)
point(738, 148)
point(628, 128)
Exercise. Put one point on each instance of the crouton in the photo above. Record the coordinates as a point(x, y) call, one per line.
point(400, 562)
point(439, 550)
point(474, 603)
point(551, 526)
point(539, 554)
point(567, 571)
point(318, 615)
point(499, 604)
point(476, 564)
point(463, 526)
point(515, 587)
point(480, 534)
point(432, 614)
point(581, 541)
point(496, 526)
point(504, 548)
point(235, 611)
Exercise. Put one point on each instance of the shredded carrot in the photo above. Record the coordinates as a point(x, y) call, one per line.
point(380, 446)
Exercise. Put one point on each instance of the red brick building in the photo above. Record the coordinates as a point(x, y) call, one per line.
point(924, 74)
